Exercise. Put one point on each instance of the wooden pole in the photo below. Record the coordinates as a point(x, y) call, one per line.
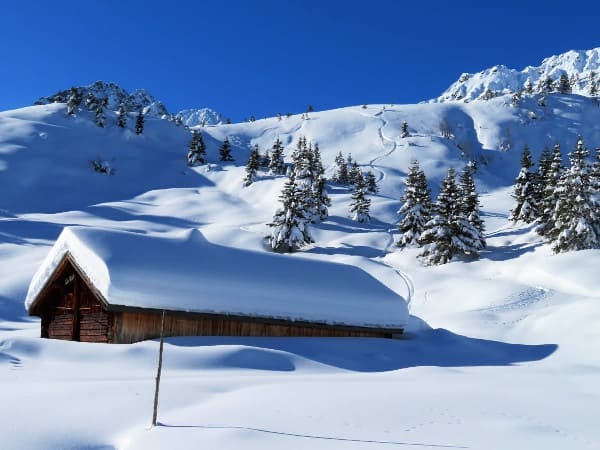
point(160, 353)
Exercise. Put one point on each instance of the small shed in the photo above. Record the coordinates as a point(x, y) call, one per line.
point(100, 285)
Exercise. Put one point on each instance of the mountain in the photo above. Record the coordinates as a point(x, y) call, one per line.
point(115, 95)
point(581, 68)
point(202, 116)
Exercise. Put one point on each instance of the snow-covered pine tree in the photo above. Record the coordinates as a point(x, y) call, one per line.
point(448, 233)
point(225, 151)
point(575, 223)
point(415, 211)
point(341, 173)
point(322, 200)
point(524, 191)
point(289, 229)
point(197, 149)
point(595, 175)
point(100, 119)
point(305, 179)
point(122, 116)
point(277, 165)
point(265, 160)
point(139, 122)
point(469, 204)
point(354, 173)
point(371, 181)
point(404, 131)
point(548, 201)
point(361, 205)
point(544, 164)
point(252, 166)
point(564, 87)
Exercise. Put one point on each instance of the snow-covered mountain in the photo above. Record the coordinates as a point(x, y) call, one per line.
point(202, 116)
point(493, 346)
point(580, 67)
point(115, 95)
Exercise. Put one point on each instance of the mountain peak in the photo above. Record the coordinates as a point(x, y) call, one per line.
point(580, 67)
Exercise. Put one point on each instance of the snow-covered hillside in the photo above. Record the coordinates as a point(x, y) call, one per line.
point(581, 68)
point(499, 353)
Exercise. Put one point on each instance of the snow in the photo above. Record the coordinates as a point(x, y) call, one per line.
point(577, 64)
point(184, 272)
point(501, 352)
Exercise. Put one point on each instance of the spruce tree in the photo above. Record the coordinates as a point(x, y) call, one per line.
point(448, 233)
point(415, 211)
point(122, 116)
point(371, 181)
point(354, 173)
point(404, 131)
point(564, 87)
point(321, 199)
point(139, 122)
point(197, 149)
point(544, 165)
point(252, 166)
point(289, 229)
point(549, 195)
point(524, 191)
point(469, 204)
point(341, 175)
point(575, 224)
point(100, 119)
point(305, 179)
point(361, 205)
point(225, 151)
point(277, 165)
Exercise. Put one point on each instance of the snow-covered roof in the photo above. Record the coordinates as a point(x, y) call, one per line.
point(187, 273)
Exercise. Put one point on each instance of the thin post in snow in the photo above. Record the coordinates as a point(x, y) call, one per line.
point(160, 354)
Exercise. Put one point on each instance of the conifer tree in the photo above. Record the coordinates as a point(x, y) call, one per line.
point(322, 200)
point(265, 160)
point(122, 116)
point(252, 166)
point(371, 182)
point(564, 87)
point(100, 119)
point(448, 233)
point(139, 122)
point(544, 164)
point(341, 174)
point(197, 149)
point(305, 179)
point(277, 165)
point(595, 175)
point(575, 224)
point(225, 151)
point(354, 173)
point(469, 204)
point(361, 205)
point(289, 229)
point(415, 211)
point(549, 194)
point(404, 131)
point(524, 191)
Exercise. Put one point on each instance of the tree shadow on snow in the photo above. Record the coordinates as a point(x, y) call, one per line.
point(506, 252)
point(438, 348)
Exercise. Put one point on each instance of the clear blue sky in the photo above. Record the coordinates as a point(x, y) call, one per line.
point(263, 57)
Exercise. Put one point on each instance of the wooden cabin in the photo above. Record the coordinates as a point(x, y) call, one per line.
point(81, 294)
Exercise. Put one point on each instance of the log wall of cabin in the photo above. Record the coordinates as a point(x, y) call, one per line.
point(138, 326)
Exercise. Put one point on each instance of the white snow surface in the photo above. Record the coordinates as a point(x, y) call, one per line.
point(576, 64)
point(501, 352)
point(185, 272)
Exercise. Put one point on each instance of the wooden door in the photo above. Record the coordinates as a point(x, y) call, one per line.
point(62, 322)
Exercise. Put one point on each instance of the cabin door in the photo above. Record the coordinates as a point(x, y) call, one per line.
point(64, 317)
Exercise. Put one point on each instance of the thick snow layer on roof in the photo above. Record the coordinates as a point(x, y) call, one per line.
point(188, 273)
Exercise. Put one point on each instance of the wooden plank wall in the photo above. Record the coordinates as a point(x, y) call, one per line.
point(138, 326)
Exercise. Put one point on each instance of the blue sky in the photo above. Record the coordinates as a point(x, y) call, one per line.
point(263, 57)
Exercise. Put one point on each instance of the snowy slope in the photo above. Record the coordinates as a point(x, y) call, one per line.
point(582, 67)
point(500, 352)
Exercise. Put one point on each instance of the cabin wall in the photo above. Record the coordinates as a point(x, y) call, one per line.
point(138, 326)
